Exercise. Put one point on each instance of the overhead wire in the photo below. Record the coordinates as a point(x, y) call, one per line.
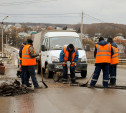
point(24, 2)
point(42, 14)
point(96, 19)
point(110, 24)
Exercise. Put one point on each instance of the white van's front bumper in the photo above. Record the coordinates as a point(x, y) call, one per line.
point(58, 67)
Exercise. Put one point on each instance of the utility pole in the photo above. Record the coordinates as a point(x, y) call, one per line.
point(6, 39)
point(2, 35)
point(82, 25)
point(2, 38)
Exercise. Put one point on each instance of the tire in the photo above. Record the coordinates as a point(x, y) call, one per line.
point(83, 74)
point(56, 78)
point(48, 73)
point(38, 68)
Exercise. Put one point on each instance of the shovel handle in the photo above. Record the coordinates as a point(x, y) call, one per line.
point(90, 77)
point(42, 73)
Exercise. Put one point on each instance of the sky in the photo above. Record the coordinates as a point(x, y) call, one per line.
point(63, 11)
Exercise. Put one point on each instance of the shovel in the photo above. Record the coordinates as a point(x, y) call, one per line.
point(86, 84)
point(42, 74)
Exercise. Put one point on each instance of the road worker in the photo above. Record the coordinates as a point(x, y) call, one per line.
point(20, 62)
point(114, 62)
point(69, 53)
point(22, 68)
point(28, 62)
point(102, 56)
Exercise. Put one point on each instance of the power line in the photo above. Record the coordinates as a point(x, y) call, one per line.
point(97, 19)
point(24, 2)
point(94, 18)
point(43, 14)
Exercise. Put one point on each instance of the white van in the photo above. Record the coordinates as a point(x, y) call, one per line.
point(52, 42)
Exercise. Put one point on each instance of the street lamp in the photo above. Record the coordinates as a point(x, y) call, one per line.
point(2, 33)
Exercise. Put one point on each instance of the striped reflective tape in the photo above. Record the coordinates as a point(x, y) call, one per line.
point(26, 58)
point(94, 79)
point(114, 56)
point(104, 50)
point(105, 80)
point(27, 49)
point(24, 54)
point(66, 57)
point(103, 55)
point(116, 52)
point(112, 77)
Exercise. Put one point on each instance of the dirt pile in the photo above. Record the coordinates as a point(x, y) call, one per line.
point(14, 88)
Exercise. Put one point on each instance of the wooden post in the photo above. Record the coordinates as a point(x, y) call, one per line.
point(82, 25)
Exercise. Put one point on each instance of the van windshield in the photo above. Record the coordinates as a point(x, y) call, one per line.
point(60, 42)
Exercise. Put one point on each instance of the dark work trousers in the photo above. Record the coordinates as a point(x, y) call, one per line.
point(105, 68)
point(23, 74)
point(112, 72)
point(65, 71)
point(30, 70)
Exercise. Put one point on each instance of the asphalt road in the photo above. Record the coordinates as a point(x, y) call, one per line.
point(59, 98)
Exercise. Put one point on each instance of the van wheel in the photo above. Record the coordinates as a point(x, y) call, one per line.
point(38, 67)
point(57, 77)
point(83, 74)
point(48, 73)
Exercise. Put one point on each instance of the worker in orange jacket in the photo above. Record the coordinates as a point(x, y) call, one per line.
point(69, 53)
point(102, 54)
point(114, 62)
point(28, 62)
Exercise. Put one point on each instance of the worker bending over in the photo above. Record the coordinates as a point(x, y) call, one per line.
point(69, 53)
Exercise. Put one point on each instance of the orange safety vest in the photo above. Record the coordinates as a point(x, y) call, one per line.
point(103, 54)
point(20, 58)
point(66, 55)
point(115, 56)
point(19, 69)
point(26, 58)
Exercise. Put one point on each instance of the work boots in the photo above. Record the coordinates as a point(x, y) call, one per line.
point(112, 84)
point(64, 81)
point(73, 80)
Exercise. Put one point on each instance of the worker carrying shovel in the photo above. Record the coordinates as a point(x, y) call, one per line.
point(28, 62)
point(103, 53)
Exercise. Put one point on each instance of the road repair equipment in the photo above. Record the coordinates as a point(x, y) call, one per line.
point(42, 73)
point(70, 82)
point(58, 76)
point(86, 84)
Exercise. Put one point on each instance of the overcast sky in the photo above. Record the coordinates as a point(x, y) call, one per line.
point(63, 11)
